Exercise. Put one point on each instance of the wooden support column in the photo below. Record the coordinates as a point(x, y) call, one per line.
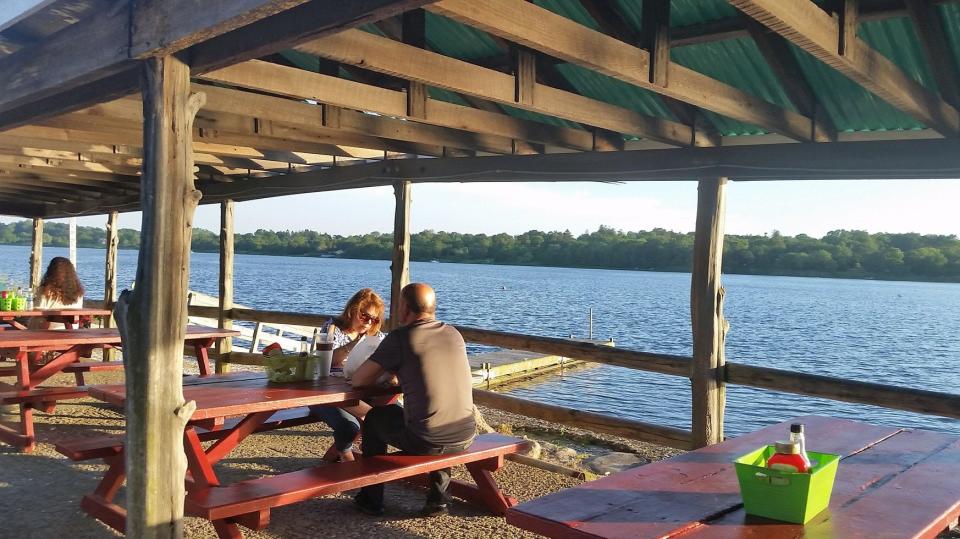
point(225, 346)
point(110, 275)
point(152, 318)
point(36, 255)
point(400, 266)
point(706, 313)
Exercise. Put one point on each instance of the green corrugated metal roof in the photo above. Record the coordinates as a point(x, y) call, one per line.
point(737, 62)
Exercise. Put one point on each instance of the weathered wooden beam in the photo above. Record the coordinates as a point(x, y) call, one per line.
point(786, 68)
point(152, 318)
point(812, 29)
point(23, 208)
point(301, 84)
point(225, 346)
point(36, 255)
point(400, 260)
point(936, 48)
point(538, 28)
point(384, 55)
point(706, 315)
point(734, 28)
point(110, 274)
point(45, 78)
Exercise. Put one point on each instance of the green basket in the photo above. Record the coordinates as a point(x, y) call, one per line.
point(284, 369)
point(791, 497)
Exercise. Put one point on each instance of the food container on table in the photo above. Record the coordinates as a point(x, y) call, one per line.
point(283, 369)
point(781, 495)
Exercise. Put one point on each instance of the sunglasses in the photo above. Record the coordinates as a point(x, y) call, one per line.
point(367, 319)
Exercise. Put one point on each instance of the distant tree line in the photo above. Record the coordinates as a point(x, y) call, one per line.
point(841, 253)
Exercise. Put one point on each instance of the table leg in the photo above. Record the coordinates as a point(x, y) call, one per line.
point(487, 489)
point(201, 349)
point(198, 464)
point(71, 355)
point(100, 504)
point(244, 428)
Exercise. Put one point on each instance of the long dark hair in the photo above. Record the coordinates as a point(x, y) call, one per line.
point(60, 282)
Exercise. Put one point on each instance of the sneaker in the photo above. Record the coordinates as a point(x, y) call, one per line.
point(435, 509)
point(366, 506)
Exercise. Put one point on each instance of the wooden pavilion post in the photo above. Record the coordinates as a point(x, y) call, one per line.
point(400, 266)
point(152, 318)
point(225, 346)
point(706, 313)
point(36, 255)
point(110, 275)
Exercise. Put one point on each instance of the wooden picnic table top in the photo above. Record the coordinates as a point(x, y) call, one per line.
point(38, 338)
point(4, 315)
point(239, 393)
point(891, 482)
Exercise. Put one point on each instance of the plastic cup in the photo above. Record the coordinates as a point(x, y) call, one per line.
point(324, 358)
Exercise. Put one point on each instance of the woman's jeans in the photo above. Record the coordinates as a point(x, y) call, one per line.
point(345, 426)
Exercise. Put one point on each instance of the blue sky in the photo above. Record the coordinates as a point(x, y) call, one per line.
point(808, 207)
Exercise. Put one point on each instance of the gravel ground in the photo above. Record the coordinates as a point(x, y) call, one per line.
point(42, 490)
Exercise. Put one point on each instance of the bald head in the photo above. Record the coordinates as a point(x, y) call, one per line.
point(420, 299)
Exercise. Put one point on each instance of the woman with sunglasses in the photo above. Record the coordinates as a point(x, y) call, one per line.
point(361, 318)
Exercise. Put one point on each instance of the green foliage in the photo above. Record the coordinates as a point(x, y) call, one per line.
point(841, 253)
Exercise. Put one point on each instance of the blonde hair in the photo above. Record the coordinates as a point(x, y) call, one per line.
point(361, 301)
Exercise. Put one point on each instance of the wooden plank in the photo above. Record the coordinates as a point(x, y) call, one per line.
point(15, 11)
point(152, 318)
point(400, 265)
point(669, 497)
point(538, 28)
point(936, 49)
point(706, 314)
point(381, 54)
point(224, 346)
point(634, 430)
point(809, 27)
point(36, 255)
point(110, 273)
point(656, 39)
point(899, 398)
point(354, 95)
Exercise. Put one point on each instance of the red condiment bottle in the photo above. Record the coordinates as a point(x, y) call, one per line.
point(788, 458)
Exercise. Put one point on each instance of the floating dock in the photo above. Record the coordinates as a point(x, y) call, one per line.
point(492, 368)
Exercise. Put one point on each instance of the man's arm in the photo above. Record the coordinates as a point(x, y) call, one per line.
point(367, 374)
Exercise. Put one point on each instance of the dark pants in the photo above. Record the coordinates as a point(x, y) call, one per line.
point(345, 426)
point(385, 425)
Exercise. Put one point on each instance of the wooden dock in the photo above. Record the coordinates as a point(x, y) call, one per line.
point(492, 368)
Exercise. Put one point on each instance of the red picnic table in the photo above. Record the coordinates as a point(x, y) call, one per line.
point(254, 404)
point(891, 482)
point(70, 346)
point(70, 318)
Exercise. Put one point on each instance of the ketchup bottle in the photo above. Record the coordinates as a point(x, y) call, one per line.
point(788, 458)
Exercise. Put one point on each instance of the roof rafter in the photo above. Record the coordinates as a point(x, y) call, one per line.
point(558, 36)
point(815, 31)
point(302, 84)
point(936, 48)
point(385, 55)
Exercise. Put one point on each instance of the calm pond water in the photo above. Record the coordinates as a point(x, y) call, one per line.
point(899, 333)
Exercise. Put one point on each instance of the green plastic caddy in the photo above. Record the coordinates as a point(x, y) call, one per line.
point(791, 497)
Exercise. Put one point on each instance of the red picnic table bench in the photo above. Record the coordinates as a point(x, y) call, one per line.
point(70, 318)
point(232, 406)
point(891, 483)
point(70, 346)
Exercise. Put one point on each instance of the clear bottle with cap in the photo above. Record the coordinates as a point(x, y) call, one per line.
point(797, 435)
point(302, 360)
point(788, 458)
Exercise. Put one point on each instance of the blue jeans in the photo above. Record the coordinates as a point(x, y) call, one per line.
point(345, 426)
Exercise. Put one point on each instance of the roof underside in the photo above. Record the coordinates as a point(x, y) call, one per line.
point(494, 77)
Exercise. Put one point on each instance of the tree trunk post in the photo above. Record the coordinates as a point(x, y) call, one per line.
point(110, 276)
point(706, 314)
point(152, 318)
point(36, 255)
point(225, 345)
point(400, 265)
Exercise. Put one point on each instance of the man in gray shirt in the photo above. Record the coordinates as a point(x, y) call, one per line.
point(430, 360)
